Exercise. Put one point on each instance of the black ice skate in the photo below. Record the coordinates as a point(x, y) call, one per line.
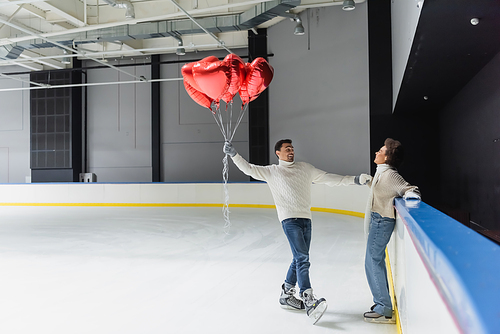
point(314, 307)
point(288, 300)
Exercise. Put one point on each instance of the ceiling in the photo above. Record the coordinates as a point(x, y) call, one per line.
point(448, 51)
point(37, 35)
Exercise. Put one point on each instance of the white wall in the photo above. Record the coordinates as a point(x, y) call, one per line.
point(420, 306)
point(14, 133)
point(351, 199)
point(319, 94)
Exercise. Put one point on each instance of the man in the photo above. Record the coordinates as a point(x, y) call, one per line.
point(290, 184)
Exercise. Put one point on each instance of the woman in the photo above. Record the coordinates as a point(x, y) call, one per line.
point(379, 224)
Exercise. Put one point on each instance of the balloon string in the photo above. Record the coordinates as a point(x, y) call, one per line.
point(240, 117)
point(225, 173)
point(221, 128)
point(228, 133)
point(230, 122)
point(225, 207)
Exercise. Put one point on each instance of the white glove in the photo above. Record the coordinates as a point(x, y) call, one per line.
point(412, 200)
point(229, 149)
point(362, 179)
point(410, 195)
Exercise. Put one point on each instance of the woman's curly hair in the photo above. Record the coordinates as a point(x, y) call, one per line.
point(394, 152)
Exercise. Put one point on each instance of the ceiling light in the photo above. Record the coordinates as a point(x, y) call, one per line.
point(66, 60)
point(180, 50)
point(299, 28)
point(348, 5)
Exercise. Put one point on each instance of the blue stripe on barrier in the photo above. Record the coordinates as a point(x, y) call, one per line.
point(464, 265)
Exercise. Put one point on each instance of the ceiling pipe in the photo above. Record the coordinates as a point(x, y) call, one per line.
point(109, 53)
point(45, 86)
point(180, 51)
point(130, 11)
point(64, 47)
point(201, 27)
point(172, 16)
point(40, 85)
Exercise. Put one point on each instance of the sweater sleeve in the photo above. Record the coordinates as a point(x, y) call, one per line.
point(331, 180)
point(401, 186)
point(261, 173)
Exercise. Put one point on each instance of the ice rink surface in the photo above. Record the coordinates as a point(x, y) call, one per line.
point(150, 270)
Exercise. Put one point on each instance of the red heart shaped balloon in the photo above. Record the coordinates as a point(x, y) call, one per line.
point(198, 97)
point(237, 71)
point(259, 75)
point(212, 76)
point(187, 74)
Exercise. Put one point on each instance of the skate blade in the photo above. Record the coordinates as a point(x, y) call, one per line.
point(291, 308)
point(318, 312)
point(381, 320)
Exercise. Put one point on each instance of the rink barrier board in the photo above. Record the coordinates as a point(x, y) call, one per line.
point(350, 200)
point(462, 265)
point(392, 291)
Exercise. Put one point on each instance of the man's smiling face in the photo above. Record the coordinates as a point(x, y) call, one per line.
point(286, 152)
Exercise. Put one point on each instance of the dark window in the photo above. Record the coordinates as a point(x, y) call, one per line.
point(50, 122)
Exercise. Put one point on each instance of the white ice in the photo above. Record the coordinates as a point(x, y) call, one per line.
point(172, 270)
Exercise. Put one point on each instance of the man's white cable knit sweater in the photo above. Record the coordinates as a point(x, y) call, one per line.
point(290, 184)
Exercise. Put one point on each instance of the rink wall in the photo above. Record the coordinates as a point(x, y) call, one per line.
point(446, 276)
point(349, 200)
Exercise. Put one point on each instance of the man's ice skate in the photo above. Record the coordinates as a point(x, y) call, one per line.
point(314, 307)
point(288, 300)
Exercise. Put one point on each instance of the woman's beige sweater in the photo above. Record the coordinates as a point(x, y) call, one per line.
point(386, 186)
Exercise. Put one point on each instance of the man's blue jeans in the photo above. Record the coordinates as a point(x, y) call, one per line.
point(380, 233)
point(298, 231)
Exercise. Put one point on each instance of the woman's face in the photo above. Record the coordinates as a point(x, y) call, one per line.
point(380, 156)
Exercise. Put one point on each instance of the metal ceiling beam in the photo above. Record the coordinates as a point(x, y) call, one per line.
point(18, 2)
point(170, 16)
point(32, 57)
point(64, 47)
point(100, 54)
point(66, 10)
point(199, 25)
point(12, 16)
point(35, 11)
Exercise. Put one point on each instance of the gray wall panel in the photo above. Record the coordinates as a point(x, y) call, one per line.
point(319, 94)
point(14, 133)
point(192, 141)
point(119, 126)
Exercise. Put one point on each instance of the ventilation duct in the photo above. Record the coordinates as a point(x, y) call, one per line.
point(10, 52)
point(257, 15)
point(130, 13)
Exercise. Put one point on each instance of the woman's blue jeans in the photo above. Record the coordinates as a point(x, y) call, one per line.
point(298, 231)
point(380, 233)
